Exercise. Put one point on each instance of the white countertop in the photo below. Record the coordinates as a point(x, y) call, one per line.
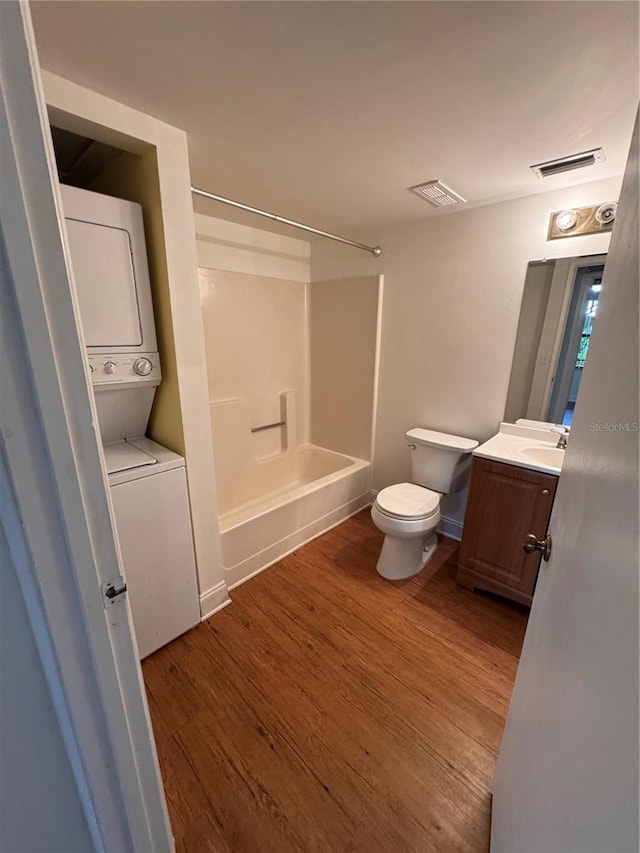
point(524, 446)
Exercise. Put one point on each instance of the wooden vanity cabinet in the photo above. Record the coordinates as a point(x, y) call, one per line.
point(505, 503)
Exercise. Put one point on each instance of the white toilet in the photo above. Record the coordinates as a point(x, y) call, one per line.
point(408, 513)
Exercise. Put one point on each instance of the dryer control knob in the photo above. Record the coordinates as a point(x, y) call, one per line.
point(143, 367)
point(110, 367)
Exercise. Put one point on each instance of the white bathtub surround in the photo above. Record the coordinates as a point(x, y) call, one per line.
point(344, 317)
point(252, 463)
point(255, 330)
point(323, 489)
point(301, 359)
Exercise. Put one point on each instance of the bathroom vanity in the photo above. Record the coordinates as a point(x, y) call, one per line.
point(513, 483)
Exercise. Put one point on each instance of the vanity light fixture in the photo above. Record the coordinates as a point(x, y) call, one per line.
point(606, 213)
point(566, 220)
point(567, 164)
point(574, 221)
point(437, 194)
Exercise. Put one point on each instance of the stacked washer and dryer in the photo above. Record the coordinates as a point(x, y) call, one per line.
point(147, 482)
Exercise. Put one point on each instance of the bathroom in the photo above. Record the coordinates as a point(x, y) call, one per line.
point(294, 366)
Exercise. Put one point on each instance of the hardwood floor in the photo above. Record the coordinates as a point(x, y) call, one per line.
point(330, 710)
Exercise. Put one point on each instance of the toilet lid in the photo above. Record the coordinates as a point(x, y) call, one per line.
point(408, 500)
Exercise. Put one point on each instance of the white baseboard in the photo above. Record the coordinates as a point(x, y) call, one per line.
point(214, 599)
point(451, 528)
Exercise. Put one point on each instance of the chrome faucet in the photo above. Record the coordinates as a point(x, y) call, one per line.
point(563, 435)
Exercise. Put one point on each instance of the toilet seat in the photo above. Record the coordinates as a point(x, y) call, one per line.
point(408, 501)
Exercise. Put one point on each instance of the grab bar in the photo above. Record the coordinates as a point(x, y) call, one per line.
point(268, 426)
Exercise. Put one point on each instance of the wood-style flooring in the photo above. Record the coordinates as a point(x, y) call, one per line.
point(330, 710)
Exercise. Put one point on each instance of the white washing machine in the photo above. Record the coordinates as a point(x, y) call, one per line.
point(148, 486)
point(147, 482)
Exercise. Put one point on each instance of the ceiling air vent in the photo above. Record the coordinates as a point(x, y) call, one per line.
point(437, 194)
point(567, 164)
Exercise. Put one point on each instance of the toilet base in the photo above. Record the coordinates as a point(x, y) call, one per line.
point(402, 558)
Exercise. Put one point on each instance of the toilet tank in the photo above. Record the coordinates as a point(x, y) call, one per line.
point(439, 461)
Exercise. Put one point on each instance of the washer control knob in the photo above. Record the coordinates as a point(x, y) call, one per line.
point(110, 367)
point(143, 367)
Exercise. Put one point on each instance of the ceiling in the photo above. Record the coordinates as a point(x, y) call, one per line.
point(327, 111)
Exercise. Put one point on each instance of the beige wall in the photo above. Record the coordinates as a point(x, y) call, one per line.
point(343, 338)
point(453, 286)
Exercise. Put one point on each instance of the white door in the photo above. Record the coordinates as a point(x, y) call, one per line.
point(56, 529)
point(567, 775)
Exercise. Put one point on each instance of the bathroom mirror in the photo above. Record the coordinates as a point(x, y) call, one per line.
point(559, 304)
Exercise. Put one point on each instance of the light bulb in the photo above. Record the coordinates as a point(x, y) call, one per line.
point(566, 220)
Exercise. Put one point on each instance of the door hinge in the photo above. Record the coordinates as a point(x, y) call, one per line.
point(112, 590)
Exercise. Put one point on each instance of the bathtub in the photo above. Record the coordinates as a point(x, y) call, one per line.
point(274, 518)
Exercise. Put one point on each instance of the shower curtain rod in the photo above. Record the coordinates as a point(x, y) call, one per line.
point(376, 251)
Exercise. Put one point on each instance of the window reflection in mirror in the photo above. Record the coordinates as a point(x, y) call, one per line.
point(559, 305)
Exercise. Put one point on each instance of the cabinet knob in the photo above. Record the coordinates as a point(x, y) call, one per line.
point(532, 543)
point(545, 491)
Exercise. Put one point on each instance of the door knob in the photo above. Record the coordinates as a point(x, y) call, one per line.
point(531, 544)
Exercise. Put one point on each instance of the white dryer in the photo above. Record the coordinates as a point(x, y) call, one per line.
point(147, 482)
point(111, 273)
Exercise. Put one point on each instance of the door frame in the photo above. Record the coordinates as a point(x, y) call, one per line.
point(563, 373)
point(56, 483)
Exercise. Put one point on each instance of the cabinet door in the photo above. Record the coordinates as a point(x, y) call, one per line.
point(505, 503)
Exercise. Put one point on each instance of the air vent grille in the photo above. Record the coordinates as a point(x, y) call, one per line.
point(567, 164)
point(437, 194)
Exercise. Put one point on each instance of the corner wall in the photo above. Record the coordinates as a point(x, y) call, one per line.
point(453, 287)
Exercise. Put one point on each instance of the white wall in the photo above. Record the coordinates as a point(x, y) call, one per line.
point(453, 286)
